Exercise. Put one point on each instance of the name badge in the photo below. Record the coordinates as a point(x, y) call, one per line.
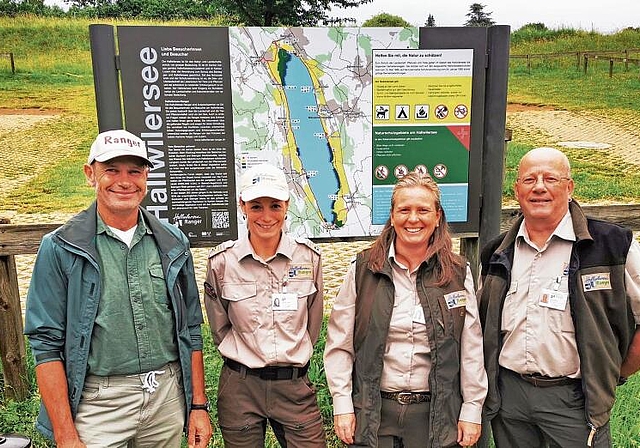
point(284, 301)
point(596, 282)
point(456, 299)
point(418, 315)
point(553, 299)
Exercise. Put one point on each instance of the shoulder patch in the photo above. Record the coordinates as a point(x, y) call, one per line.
point(221, 248)
point(310, 244)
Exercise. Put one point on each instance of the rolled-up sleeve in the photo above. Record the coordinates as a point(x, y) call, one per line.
point(339, 352)
point(473, 377)
point(192, 300)
point(632, 279)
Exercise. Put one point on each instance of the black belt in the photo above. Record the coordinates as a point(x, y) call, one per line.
point(407, 397)
point(270, 372)
point(545, 381)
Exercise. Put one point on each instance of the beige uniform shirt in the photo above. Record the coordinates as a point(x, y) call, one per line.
point(407, 358)
point(265, 312)
point(538, 332)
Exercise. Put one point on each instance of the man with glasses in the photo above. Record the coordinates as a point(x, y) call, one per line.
point(560, 309)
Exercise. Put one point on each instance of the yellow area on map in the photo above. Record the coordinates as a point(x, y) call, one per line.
point(333, 137)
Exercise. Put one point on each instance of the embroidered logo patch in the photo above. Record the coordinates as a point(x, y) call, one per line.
point(596, 282)
point(456, 299)
point(208, 289)
point(301, 271)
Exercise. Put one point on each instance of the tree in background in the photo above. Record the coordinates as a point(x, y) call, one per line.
point(478, 17)
point(284, 12)
point(383, 19)
point(431, 21)
point(11, 8)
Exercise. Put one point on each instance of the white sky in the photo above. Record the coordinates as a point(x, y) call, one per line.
point(602, 16)
point(597, 15)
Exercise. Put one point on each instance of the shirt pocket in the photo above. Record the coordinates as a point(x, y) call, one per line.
point(295, 321)
point(509, 312)
point(560, 321)
point(243, 308)
point(158, 284)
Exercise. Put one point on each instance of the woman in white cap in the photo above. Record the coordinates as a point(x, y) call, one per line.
point(263, 297)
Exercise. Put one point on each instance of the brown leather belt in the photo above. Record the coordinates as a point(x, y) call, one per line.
point(407, 397)
point(545, 381)
point(270, 372)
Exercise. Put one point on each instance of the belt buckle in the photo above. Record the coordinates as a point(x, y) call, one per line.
point(404, 397)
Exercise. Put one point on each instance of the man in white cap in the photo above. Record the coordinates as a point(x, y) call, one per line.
point(113, 317)
point(263, 296)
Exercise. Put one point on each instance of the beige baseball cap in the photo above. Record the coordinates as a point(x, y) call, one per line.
point(263, 180)
point(117, 143)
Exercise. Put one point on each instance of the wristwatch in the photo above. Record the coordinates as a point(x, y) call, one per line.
point(201, 407)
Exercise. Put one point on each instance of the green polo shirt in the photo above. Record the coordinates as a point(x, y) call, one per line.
point(134, 329)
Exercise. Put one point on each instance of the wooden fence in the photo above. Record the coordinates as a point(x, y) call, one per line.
point(25, 239)
point(582, 58)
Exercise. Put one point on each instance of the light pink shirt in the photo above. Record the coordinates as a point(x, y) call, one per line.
point(407, 359)
point(541, 339)
point(239, 299)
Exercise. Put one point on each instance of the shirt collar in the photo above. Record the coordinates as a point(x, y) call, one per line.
point(564, 230)
point(101, 227)
point(285, 248)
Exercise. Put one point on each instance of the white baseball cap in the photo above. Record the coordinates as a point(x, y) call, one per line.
point(117, 143)
point(263, 180)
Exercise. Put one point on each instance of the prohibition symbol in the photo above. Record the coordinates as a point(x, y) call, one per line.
point(460, 111)
point(400, 171)
point(441, 111)
point(382, 172)
point(421, 170)
point(440, 170)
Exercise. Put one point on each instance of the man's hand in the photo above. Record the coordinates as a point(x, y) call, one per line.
point(345, 427)
point(200, 429)
point(468, 433)
point(76, 443)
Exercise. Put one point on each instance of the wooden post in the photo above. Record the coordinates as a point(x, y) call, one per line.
point(469, 248)
point(578, 58)
point(528, 64)
point(13, 65)
point(626, 60)
point(12, 347)
point(610, 68)
point(586, 62)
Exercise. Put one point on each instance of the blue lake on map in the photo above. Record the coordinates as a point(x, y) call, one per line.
point(312, 144)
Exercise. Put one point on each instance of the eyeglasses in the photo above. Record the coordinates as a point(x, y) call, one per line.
point(547, 179)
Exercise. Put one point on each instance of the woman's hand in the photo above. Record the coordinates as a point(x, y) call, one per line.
point(468, 433)
point(345, 427)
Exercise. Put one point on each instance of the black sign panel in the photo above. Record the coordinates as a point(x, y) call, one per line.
point(177, 98)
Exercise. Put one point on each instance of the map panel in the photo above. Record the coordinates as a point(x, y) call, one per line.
point(302, 100)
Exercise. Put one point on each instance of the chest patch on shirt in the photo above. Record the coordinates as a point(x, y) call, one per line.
point(596, 282)
point(302, 271)
point(456, 299)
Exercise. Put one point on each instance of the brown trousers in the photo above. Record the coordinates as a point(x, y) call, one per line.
point(246, 402)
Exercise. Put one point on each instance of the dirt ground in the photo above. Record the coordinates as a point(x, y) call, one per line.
point(542, 125)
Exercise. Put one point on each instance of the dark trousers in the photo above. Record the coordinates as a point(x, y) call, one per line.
point(247, 402)
point(403, 425)
point(532, 417)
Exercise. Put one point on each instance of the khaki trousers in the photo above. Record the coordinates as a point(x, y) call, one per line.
point(116, 412)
